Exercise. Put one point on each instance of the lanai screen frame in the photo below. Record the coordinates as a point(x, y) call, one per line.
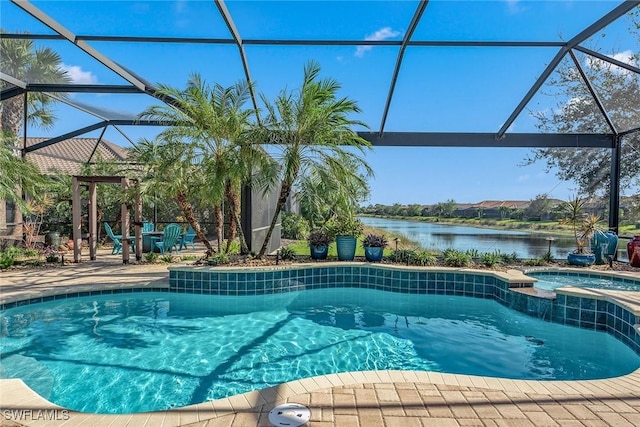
point(500, 139)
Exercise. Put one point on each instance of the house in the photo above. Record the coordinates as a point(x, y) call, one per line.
point(67, 157)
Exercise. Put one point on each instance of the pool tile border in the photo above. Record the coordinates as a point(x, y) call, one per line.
point(66, 295)
point(584, 310)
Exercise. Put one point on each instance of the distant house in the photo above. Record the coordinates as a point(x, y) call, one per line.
point(496, 209)
point(69, 156)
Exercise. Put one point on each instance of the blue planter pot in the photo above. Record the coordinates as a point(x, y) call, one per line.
point(346, 246)
point(604, 246)
point(373, 254)
point(581, 260)
point(319, 252)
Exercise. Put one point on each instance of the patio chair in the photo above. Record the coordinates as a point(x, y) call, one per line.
point(187, 239)
point(116, 238)
point(170, 239)
point(147, 226)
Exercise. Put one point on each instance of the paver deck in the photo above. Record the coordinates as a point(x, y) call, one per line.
point(367, 399)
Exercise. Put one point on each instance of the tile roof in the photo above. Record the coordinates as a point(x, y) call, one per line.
point(70, 155)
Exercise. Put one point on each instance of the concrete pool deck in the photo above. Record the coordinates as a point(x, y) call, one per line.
point(374, 398)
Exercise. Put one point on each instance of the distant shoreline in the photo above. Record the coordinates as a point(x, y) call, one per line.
point(535, 227)
point(492, 224)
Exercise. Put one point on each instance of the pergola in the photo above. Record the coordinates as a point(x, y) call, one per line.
point(92, 217)
point(501, 137)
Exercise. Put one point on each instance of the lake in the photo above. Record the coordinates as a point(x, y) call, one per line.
point(439, 237)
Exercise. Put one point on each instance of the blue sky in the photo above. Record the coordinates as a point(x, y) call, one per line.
point(438, 89)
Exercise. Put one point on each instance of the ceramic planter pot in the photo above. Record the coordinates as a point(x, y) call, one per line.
point(604, 245)
point(633, 250)
point(319, 252)
point(373, 254)
point(346, 246)
point(581, 260)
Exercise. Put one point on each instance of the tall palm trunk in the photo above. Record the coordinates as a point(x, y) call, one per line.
point(219, 221)
point(234, 221)
point(12, 109)
point(187, 210)
point(11, 123)
point(231, 231)
point(285, 191)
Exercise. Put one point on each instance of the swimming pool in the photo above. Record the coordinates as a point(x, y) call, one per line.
point(149, 351)
point(551, 280)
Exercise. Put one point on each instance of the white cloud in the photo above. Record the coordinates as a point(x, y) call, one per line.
point(626, 56)
point(78, 76)
point(522, 178)
point(382, 34)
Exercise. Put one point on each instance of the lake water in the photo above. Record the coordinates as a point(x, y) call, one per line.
point(440, 237)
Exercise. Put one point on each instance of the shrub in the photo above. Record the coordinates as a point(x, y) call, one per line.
point(344, 226)
point(234, 247)
point(423, 258)
point(28, 252)
point(375, 241)
point(168, 258)
point(294, 226)
point(490, 259)
point(6, 259)
point(535, 262)
point(151, 257)
point(218, 259)
point(287, 253)
point(511, 258)
point(454, 258)
point(319, 238)
point(404, 256)
point(473, 253)
point(547, 257)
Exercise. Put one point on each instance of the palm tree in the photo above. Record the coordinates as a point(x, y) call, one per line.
point(211, 124)
point(322, 197)
point(171, 172)
point(313, 131)
point(574, 214)
point(16, 170)
point(21, 59)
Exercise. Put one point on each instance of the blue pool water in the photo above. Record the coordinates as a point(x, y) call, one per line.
point(150, 351)
point(551, 281)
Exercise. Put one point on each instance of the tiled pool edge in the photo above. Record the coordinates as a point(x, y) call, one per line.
point(584, 310)
point(22, 397)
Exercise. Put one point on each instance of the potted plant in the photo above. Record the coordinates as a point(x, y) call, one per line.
point(51, 254)
point(319, 244)
point(374, 245)
point(346, 230)
point(584, 227)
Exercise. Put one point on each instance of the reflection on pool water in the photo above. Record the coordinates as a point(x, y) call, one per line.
point(553, 280)
point(151, 351)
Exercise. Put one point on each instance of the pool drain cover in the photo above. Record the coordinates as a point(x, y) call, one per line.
point(289, 414)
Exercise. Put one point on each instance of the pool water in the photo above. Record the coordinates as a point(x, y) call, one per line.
point(551, 281)
point(129, 353)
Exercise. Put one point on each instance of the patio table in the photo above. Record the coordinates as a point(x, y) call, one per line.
point(149, 238)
